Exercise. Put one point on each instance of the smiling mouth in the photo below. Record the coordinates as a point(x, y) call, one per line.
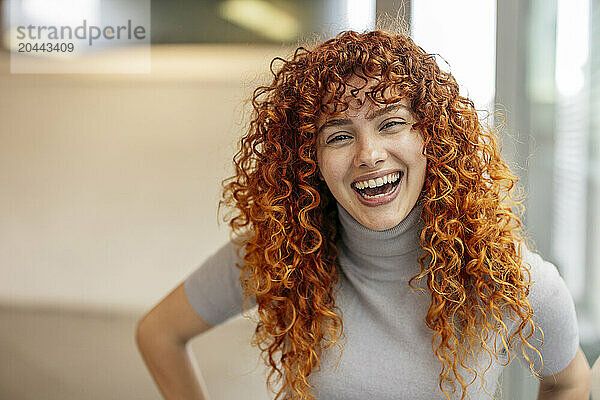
point(378, 191)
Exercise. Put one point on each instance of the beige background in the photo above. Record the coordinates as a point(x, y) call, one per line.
point(109, 191)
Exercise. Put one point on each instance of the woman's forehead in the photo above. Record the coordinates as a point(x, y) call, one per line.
point(356, 97)
point(368, 107)
point(356, 88)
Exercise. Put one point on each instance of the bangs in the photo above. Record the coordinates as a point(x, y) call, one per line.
point(354, 89)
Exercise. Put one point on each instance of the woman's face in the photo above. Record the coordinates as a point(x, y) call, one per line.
point(372, 160)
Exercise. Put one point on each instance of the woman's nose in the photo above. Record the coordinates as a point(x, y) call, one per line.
point(369, 152)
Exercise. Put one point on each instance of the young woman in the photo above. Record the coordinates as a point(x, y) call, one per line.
point(372, 227)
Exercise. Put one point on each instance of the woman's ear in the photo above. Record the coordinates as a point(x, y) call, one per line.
point(319, 172)
point(321, 176)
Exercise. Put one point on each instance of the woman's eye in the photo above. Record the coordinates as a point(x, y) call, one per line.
point(392, 123)
point(337, 138)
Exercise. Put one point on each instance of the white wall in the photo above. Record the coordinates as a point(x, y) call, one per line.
point(463, 33)
point(109, 183)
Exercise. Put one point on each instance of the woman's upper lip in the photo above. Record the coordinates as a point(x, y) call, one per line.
point(374, 175)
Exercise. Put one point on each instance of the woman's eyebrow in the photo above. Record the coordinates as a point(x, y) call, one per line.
point(386, 110)
point(377, 113)
point(336, 122)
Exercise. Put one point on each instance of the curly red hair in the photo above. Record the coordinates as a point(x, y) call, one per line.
point(286, 217)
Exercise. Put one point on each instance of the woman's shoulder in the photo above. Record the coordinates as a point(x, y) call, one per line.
point(553, 312)
point(213, 287)
point(547, 285)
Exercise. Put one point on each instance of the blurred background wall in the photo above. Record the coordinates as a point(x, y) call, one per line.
point(110, 182)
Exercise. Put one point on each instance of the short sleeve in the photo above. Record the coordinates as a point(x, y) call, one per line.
point(554, 313)
point(213, 289)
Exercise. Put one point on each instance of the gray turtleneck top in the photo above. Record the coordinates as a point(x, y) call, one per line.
point(387, 346)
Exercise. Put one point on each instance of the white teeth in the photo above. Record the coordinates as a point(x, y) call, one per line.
point(366, 196)
point(371, 183)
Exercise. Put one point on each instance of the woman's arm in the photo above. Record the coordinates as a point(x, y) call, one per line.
point(572, 383)
point(162, 336)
